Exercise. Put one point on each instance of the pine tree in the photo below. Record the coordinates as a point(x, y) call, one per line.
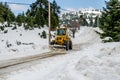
point(5, 13)
point(19, 19)
point(39, 11)
point(38, 18)
point(91, 21)
point(83, 20)
point(44, 35)
point(30, 22)
point(2, 9)
point(95, 22)
point(55, 10)
point(110, 21)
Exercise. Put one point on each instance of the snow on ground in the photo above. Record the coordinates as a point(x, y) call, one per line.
point(96, 61)
point(20, 42)
point(87, 35)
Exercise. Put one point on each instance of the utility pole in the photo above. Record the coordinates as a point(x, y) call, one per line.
point(49, 22)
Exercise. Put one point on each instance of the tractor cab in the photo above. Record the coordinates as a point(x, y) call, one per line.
point(61, 31)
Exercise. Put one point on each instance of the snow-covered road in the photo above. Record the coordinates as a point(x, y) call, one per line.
point(20, 60)
point(28, 65)
point(5, 65)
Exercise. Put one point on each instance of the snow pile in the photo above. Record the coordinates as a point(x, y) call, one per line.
point(87, 35)
point(98, 62)
point(20, 42)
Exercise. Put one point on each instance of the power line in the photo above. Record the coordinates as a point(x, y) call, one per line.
point(30, 4)
point(17, 3)
point(67, 10)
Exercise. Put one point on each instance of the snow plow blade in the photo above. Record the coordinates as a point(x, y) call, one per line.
point(57, 47)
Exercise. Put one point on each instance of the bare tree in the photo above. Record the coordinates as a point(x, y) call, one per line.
point(74, 25)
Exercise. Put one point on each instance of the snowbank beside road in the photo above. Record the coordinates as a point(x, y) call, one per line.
point(87, 35)
point(20, 42)
point(97, 62)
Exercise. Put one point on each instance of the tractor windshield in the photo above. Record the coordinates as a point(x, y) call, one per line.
point(61, 32)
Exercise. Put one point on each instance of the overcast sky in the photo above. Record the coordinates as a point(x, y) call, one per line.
point(65, 4)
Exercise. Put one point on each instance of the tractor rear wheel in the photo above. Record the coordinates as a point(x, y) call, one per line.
point(70, 45)
point(67, 46)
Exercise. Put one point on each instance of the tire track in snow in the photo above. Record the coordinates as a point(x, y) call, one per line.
point(16, 61)
point(5, 66)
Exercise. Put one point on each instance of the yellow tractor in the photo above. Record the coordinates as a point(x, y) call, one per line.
point(62, 39)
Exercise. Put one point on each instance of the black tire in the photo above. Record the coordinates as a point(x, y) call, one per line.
point(52, 43)
point(70, 45)
point(67, 46)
